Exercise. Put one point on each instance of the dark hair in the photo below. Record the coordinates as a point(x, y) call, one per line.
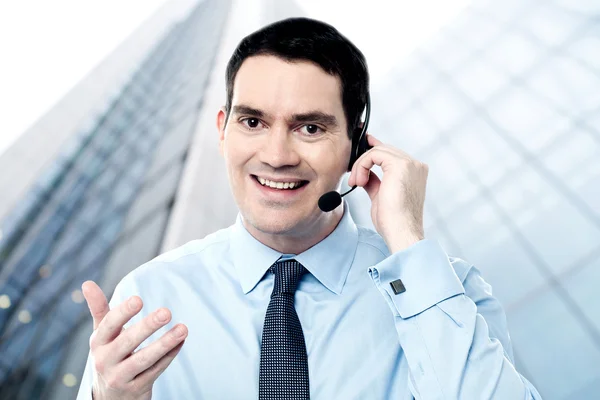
point(307, 39)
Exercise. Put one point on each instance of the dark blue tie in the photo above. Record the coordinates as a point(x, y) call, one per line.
point(283, 360)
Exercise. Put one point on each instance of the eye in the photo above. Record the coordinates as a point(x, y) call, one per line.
point(251, 123)
point(311, 129)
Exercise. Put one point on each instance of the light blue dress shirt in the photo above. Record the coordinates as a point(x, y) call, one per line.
point(445, 337)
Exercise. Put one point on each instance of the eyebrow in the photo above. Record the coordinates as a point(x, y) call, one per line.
point(317, 117)
point(311, 116)
point(247, 110)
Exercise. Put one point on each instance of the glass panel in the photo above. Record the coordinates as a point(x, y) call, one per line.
point(567, 156)
point(447, 184)
point(411, 131)
point(523, 53)
point(487, 155)
point(552, 345)
point(479, 80)
point(586, 182)
point(446, 107)
point(566, 84)
point(518, 112)
point(448, 50)
point(584, 292)
point(549, 25)
point(586, 48)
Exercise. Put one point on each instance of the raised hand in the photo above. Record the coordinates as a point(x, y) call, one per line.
point(120, 373)
point(397, 199)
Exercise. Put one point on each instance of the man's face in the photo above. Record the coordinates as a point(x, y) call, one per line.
point(286, 129)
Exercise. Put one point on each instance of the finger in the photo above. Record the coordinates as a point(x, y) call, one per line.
point(132, 337)
point(360, 171)
point(372, 186)
point(113, 322)
point(373, 141)
point(149, 376)
point(352, 177)
point(96, 301)
point(150, 355)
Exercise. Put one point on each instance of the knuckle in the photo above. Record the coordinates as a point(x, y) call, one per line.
point(92, 341)
point(151, 322)
point(99, 365)
point(141, 359)
point(166, 343)
point(154, 368)
point(138, 386)
point(112, 381)
point(108, 322)
point(102, 311)
point(124, 308)
point(127, 342)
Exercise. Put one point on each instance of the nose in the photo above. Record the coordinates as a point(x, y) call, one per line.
point(278, 149)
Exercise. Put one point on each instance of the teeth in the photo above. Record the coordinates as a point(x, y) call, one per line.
point(278, 185)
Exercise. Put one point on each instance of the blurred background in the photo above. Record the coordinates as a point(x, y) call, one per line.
point(108, 157)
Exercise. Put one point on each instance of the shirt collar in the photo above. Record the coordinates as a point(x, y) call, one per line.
point(329, 260)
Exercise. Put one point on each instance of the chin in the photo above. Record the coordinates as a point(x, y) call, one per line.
point(277, 221)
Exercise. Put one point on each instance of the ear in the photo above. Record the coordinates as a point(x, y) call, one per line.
point(221, 122)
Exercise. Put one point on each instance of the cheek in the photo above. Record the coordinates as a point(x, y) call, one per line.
point(331, 159)
point(236, 151)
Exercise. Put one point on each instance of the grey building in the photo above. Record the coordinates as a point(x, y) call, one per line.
point(501, 103)
point(100, 204)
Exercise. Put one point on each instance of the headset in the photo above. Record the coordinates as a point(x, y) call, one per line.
point(331, 200)
point(359, 137)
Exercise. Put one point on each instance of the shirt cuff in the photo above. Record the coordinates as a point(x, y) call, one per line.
point(426, 274)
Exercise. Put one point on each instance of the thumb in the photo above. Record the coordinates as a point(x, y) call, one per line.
point(96, 301)
point(372, 186)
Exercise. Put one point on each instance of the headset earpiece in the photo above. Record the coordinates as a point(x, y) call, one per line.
point(355, 152)
point(359, 137)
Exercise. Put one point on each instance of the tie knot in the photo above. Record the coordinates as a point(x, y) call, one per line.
point(287, 275)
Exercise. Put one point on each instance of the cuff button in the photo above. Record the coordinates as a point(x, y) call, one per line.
point(397, 286)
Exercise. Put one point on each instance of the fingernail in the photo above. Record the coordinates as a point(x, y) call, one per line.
point(161, 316)
point(179, 331)
point(134, 303)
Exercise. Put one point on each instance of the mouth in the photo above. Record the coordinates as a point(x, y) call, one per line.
point(280, 184)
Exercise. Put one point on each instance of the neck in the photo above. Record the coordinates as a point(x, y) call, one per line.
point(298, 242)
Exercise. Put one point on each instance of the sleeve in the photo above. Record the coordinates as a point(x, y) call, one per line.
point(453, 332)
point(120, 294)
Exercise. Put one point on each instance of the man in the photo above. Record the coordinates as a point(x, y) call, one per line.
point(291, 302)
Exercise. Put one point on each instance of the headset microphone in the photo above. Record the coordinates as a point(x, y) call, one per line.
point(331, 200)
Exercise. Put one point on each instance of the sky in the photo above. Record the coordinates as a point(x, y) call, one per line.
point(49, 46)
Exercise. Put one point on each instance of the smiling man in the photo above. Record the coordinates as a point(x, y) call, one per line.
point(284, 124)
point(292, 302)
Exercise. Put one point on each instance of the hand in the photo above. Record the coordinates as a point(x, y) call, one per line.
point(119, 372)
point(397, 200)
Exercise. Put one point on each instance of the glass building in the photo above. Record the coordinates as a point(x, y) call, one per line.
point(502, 103)
point(100, 208)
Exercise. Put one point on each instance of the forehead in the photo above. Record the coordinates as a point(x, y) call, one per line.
point(280, 87)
